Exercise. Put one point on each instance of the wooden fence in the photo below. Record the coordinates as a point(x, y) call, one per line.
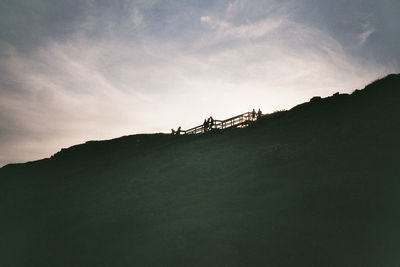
point(241, 120)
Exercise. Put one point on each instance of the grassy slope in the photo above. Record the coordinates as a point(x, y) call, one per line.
point(314, 186)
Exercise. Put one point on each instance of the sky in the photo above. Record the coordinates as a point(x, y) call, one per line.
point(73, 71)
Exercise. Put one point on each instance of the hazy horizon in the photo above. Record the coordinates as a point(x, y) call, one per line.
point(92, 70)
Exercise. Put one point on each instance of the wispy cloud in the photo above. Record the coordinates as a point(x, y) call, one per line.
point(251, 30)
point(365, 35)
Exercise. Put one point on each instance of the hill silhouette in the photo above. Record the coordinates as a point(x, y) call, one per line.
point(314, 186)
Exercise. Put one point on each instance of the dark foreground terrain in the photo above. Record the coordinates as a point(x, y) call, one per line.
point(318, 185)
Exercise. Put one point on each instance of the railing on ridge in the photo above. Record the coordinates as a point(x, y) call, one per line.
point(241, 120)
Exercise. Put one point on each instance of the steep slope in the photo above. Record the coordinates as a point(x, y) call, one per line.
point(314, 186)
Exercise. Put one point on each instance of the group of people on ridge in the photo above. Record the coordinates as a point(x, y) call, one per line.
point(254, 114)
point(209, 123)
point(177, 132)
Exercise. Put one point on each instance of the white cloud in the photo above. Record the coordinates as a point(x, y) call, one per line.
point(250, 30)
point(205, 19)
point(137, 18)
point(365, 34)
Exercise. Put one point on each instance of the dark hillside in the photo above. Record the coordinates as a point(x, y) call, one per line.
point(314, 186)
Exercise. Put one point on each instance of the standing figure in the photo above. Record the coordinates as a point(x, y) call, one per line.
point(253, 114)
point(259, 114)
point(211, 122)
point(178, 132)
point(205, 125)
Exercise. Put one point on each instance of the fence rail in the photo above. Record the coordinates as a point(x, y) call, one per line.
point(241, 120)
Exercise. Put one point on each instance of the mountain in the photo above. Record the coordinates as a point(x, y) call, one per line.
point(314, 186)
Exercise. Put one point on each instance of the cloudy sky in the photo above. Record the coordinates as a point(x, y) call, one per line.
point(72, 71)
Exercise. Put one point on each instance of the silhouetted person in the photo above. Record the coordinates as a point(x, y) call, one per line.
point(178, 132)
point(253, 114)
point(211, 122)
point(259, 114)
point(205, 125)
point(172, 131)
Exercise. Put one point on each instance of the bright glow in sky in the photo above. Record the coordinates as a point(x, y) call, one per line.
point(73, 71)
